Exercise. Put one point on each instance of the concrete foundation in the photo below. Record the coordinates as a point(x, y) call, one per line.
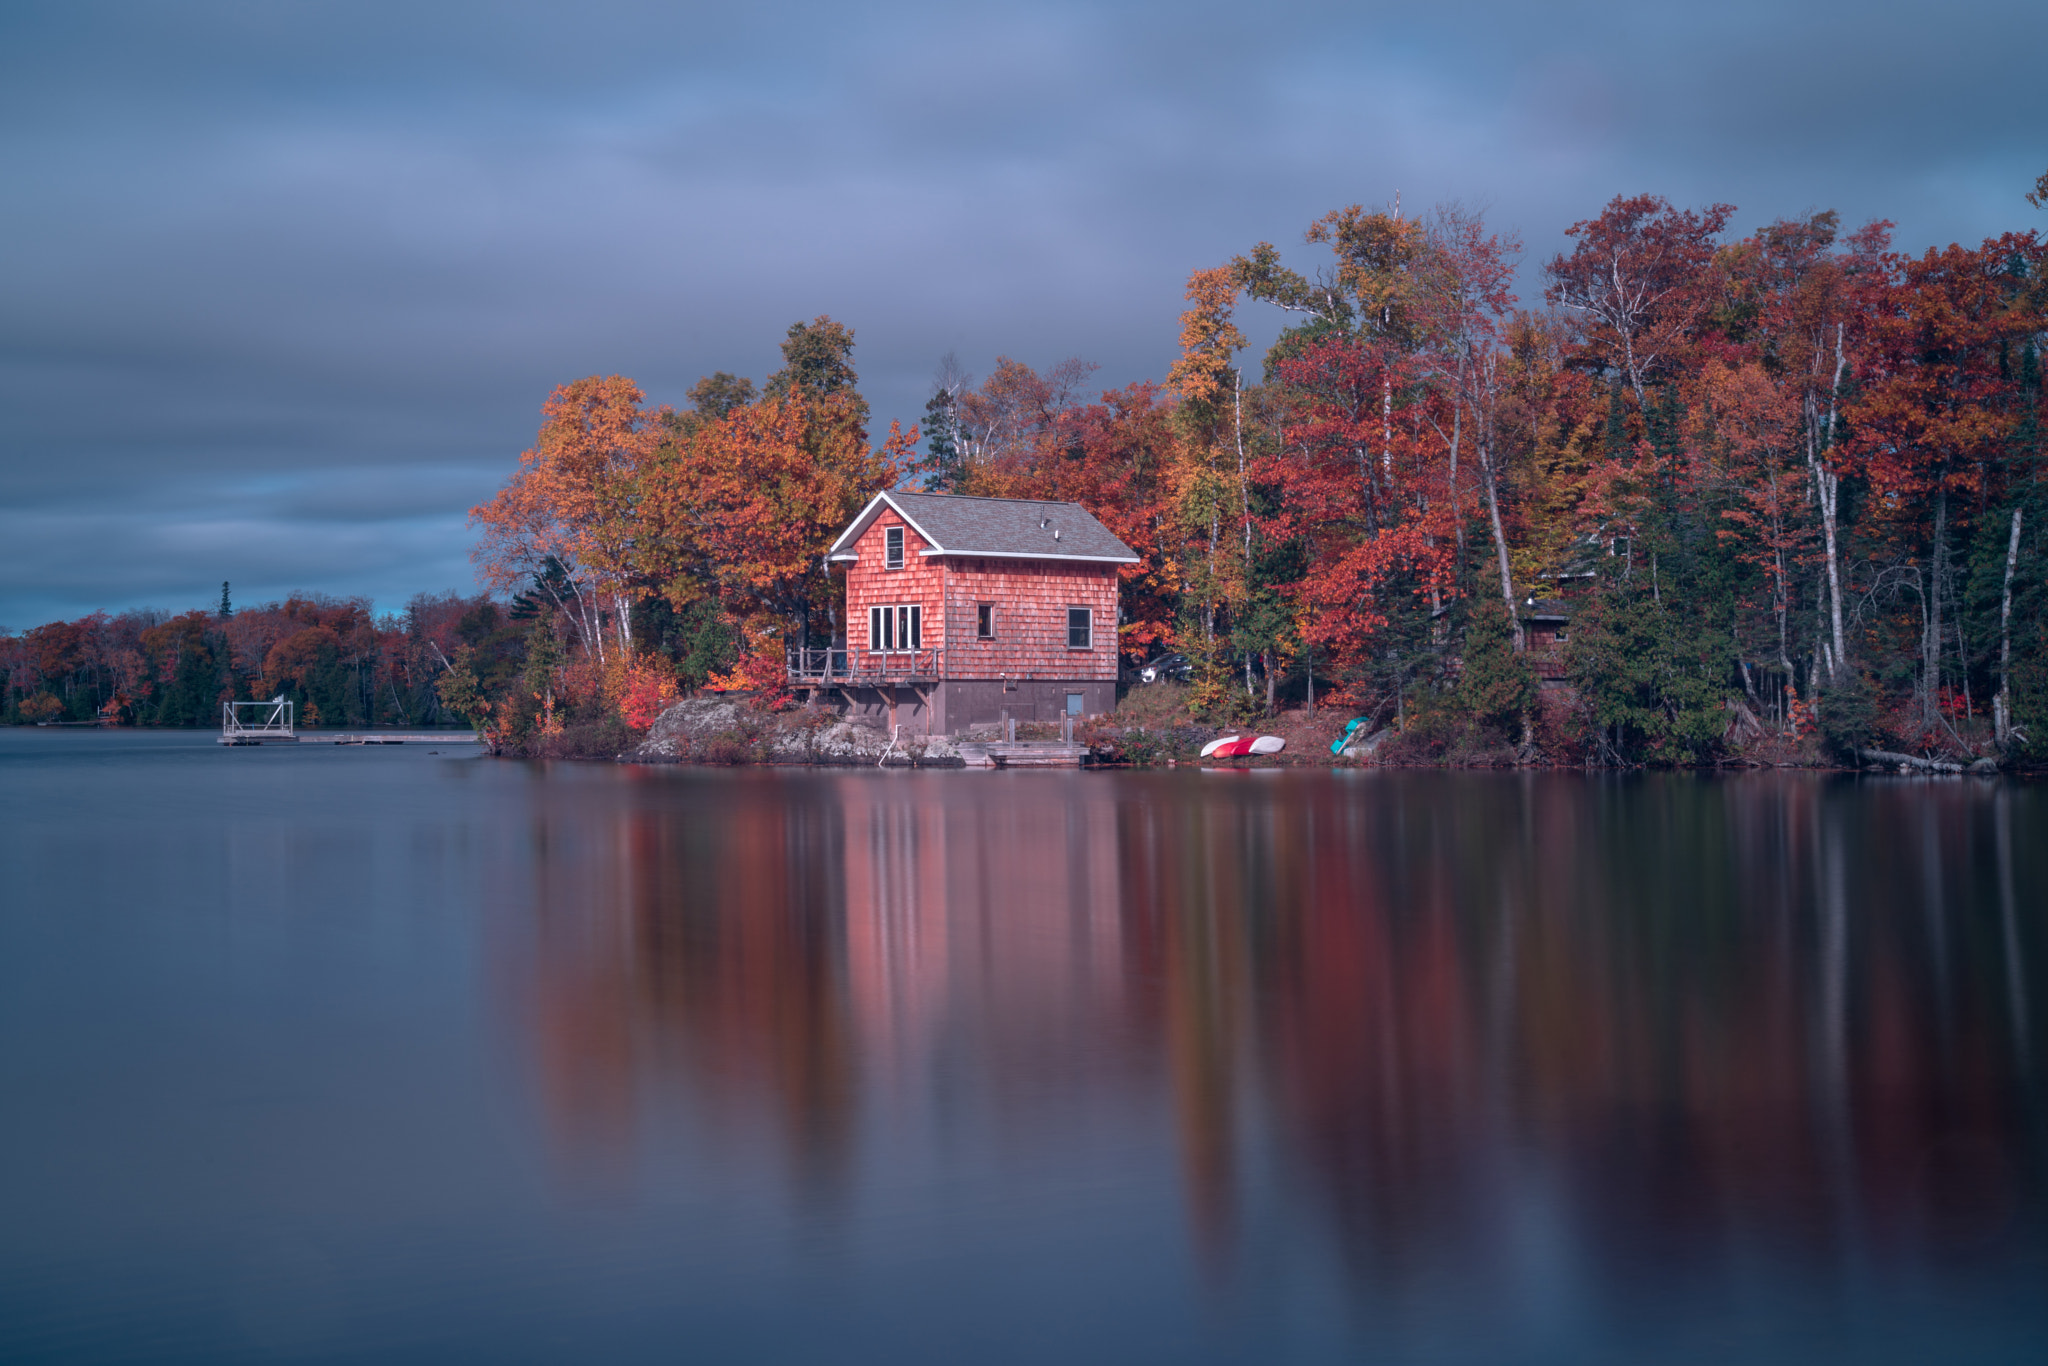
point(949, 707)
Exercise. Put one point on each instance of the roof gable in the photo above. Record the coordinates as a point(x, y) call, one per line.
point(998, 528)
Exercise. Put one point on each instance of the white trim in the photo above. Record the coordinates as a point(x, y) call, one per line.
point(866, 519)
point(909, 615)
point(1024, 555)
point(840, 554)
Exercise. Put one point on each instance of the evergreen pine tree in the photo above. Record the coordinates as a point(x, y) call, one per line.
point(1496, 688)
point(942, 469)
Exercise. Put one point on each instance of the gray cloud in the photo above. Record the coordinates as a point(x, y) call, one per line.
point(282, 287)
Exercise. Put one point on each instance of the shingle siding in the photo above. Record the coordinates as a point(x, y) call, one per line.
point(1031, 598)
point(1027, 671)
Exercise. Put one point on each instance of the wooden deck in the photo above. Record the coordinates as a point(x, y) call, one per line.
point(1034, 754)
point(842, 668)
point(452, 737)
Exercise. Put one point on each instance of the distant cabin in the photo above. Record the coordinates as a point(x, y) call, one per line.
point(1546, 626)
point(962, 610)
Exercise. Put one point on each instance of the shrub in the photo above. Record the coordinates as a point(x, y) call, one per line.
point(727, 747)
point(1849, 718)
point(1138, 746)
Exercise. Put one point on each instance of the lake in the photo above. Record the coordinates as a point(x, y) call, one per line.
point(386, 1055)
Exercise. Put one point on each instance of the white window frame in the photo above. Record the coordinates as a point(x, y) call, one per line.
point(1088, 620)
point(984, 615)
point(892, 547)
point(896, 628)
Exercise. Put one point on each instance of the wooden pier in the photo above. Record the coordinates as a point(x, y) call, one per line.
point(1033, 754)
point(452, 737)
point(273, 726)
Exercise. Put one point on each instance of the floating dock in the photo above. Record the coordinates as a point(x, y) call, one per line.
point(255, 737)
point(1033, 754)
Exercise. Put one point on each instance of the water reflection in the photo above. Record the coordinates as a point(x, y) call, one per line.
point(1539, 1037)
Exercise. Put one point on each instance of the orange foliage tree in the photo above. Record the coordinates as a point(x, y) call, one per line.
point(742, 509)
point(574, 503)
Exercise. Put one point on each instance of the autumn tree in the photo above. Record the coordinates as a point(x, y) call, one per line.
point(742, 512)
point(817, 359)
point(718, 393)
point(574, 502)
point(1462, 308)
point(1800, 302)
point(1637, 280)
point(1363, 474)
point(1933, 417)
point(1210, 476)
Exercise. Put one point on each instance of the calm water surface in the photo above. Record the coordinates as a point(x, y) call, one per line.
point(377, 1055)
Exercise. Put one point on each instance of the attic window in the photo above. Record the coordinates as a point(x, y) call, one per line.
point(892, 548)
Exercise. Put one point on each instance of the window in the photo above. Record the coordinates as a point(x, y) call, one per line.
point(892, 548)
point(1080, 628)
point(1074, 702)
point(895, 628)
point(985, 621)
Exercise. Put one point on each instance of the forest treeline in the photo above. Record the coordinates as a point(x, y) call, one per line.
point(337, 662)
point(1786, 486)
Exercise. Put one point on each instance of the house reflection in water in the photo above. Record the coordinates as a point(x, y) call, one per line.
point(1463, 1027)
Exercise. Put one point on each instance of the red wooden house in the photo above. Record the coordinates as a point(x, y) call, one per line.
point(963, 610)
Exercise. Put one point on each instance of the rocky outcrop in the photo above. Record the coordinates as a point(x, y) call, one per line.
point(716, 730)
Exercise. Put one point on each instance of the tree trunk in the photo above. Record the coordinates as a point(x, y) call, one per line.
point(1500, 540)
point(1931, 701)
point(1457, 436)
point(1820, 438)
point(2001, 706)
point(1244, 488)
point(1888, 757)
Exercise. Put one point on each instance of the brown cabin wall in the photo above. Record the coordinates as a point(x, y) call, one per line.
point(948, 707)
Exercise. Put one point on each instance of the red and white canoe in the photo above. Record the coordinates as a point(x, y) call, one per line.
point(1237, 746)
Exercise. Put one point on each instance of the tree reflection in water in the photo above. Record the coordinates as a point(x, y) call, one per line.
point(1633, 1034)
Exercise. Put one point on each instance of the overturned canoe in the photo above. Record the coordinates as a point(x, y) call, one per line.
point(1238, 746)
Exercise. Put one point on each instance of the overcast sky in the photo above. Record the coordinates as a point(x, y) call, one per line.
point(284, 283)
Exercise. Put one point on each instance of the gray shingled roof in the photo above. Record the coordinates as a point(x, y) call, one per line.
point(1008, 528)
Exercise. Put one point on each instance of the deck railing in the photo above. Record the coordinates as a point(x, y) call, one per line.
point(860, 666)
point(809, 664)
point(272, 718)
